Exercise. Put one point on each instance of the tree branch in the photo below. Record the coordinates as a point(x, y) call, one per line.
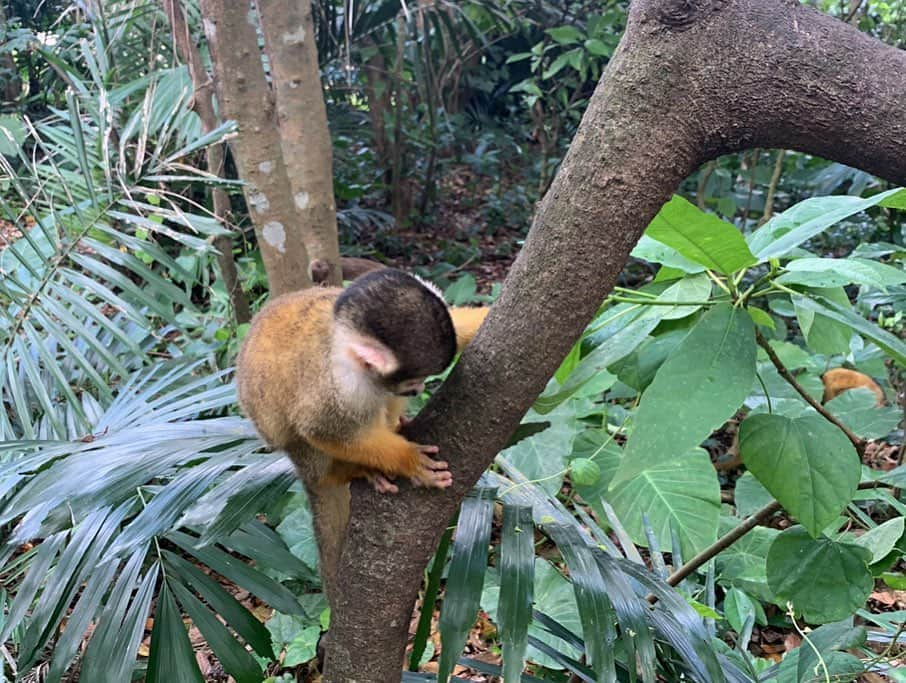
point(808, 398)
point(677, 93)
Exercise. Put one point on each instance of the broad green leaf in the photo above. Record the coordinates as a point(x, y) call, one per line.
point(806, 463)
point(565, 34)
point(833, 272)
point(858, 409)
point(12, 134)
point(822, 333)
point(609, 350)
point(846, 316)
point(680, 493)
point(826, 581)
point(171, 657)
point(517, 572)
point(297, 531)
point(760, 317)
point(542, 456)
point(598, 47)
point(639, 368)
point(895, 201)
point(808, 218)
point(882, 539)
point(584, 471)
point(700, 385)
point(750, 495)
point(739, 609)
point(701, 237)
point(743, 564)
point(651, 250)
point(465, 579)
point(303, 647)
point(692, 288)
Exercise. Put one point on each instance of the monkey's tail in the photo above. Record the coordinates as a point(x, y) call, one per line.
point(330, 515)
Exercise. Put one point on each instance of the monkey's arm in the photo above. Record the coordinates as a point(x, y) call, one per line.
point(466, 321)
point(385, 451)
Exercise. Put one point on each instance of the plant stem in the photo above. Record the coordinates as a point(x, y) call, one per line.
point(735, 534)
point(772, 188)
point(858, 443)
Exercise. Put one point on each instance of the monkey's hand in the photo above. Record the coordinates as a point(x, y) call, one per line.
point(431, 473)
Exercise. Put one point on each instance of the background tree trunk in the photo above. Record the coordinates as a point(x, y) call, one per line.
point(244, 96)
point(679, 91)
point(203, 102)
point(289, 36)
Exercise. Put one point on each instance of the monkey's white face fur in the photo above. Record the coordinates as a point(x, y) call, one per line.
point(361, 363)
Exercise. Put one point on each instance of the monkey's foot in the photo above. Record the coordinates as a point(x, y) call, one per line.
point(381, 483)
point(432, 473)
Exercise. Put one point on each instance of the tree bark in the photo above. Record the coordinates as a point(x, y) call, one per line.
point(690, 81)
point(302, 117)
point(203, 103)
point(244, 96)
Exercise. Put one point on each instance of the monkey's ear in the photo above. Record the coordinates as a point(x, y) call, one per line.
point(374, 356)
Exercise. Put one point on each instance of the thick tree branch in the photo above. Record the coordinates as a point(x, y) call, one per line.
point(679, 91)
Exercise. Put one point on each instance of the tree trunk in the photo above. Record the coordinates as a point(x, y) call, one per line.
point(289, 36)
point(244, 96)
point(679, 91)
point(203, 101)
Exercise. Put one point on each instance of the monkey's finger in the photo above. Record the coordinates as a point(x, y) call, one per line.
point(427, 450)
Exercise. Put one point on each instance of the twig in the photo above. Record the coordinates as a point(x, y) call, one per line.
point(772, 187)
point(736, 533)
point(788, 376)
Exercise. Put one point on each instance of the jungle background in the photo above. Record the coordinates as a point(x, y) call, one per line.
point(146, 534)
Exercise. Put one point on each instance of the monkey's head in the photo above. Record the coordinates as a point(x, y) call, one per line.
point(397, 328)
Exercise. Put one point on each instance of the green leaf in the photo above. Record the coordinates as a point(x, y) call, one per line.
point(806, 463)
point(701, 237)
point(565, 35)
point(229, 652)
point(824, 643)
point(12, 134)
point(653, 251)
point(680, 493)
point(822, 333)
point(595, 607)
point(760, 317)
point(743, 564)
point(826, 581)
point(858, 409)
point(584, 471)
point(171, 657)
point(701, 385)
point(882, 539)
point(517, 573)
point(610, 349)
point(692, 288)
point(846, 316)
point(542, 456)
point(808, 218)
point(303, 647)
point(750, 495)
point(835, 272)
point(598, 47)
point(468, 563)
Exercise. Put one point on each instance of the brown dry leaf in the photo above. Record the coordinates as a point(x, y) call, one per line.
point(145, 648)
point(262, 612)
point(889, 597)
point(430, 667)
point(791, 641)
point(204, 664)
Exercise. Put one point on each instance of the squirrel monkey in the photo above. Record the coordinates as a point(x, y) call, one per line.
point(323, 373)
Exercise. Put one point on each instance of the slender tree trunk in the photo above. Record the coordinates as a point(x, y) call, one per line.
point(678, 92)
point(244, 96)
point(203, 102)
point(302, 117)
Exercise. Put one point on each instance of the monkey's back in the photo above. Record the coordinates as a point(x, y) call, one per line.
point(282, 368)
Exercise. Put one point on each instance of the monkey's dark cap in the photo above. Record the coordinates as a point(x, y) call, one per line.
point(403, 314)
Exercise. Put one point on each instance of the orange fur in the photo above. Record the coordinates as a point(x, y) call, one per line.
point(838, 380)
